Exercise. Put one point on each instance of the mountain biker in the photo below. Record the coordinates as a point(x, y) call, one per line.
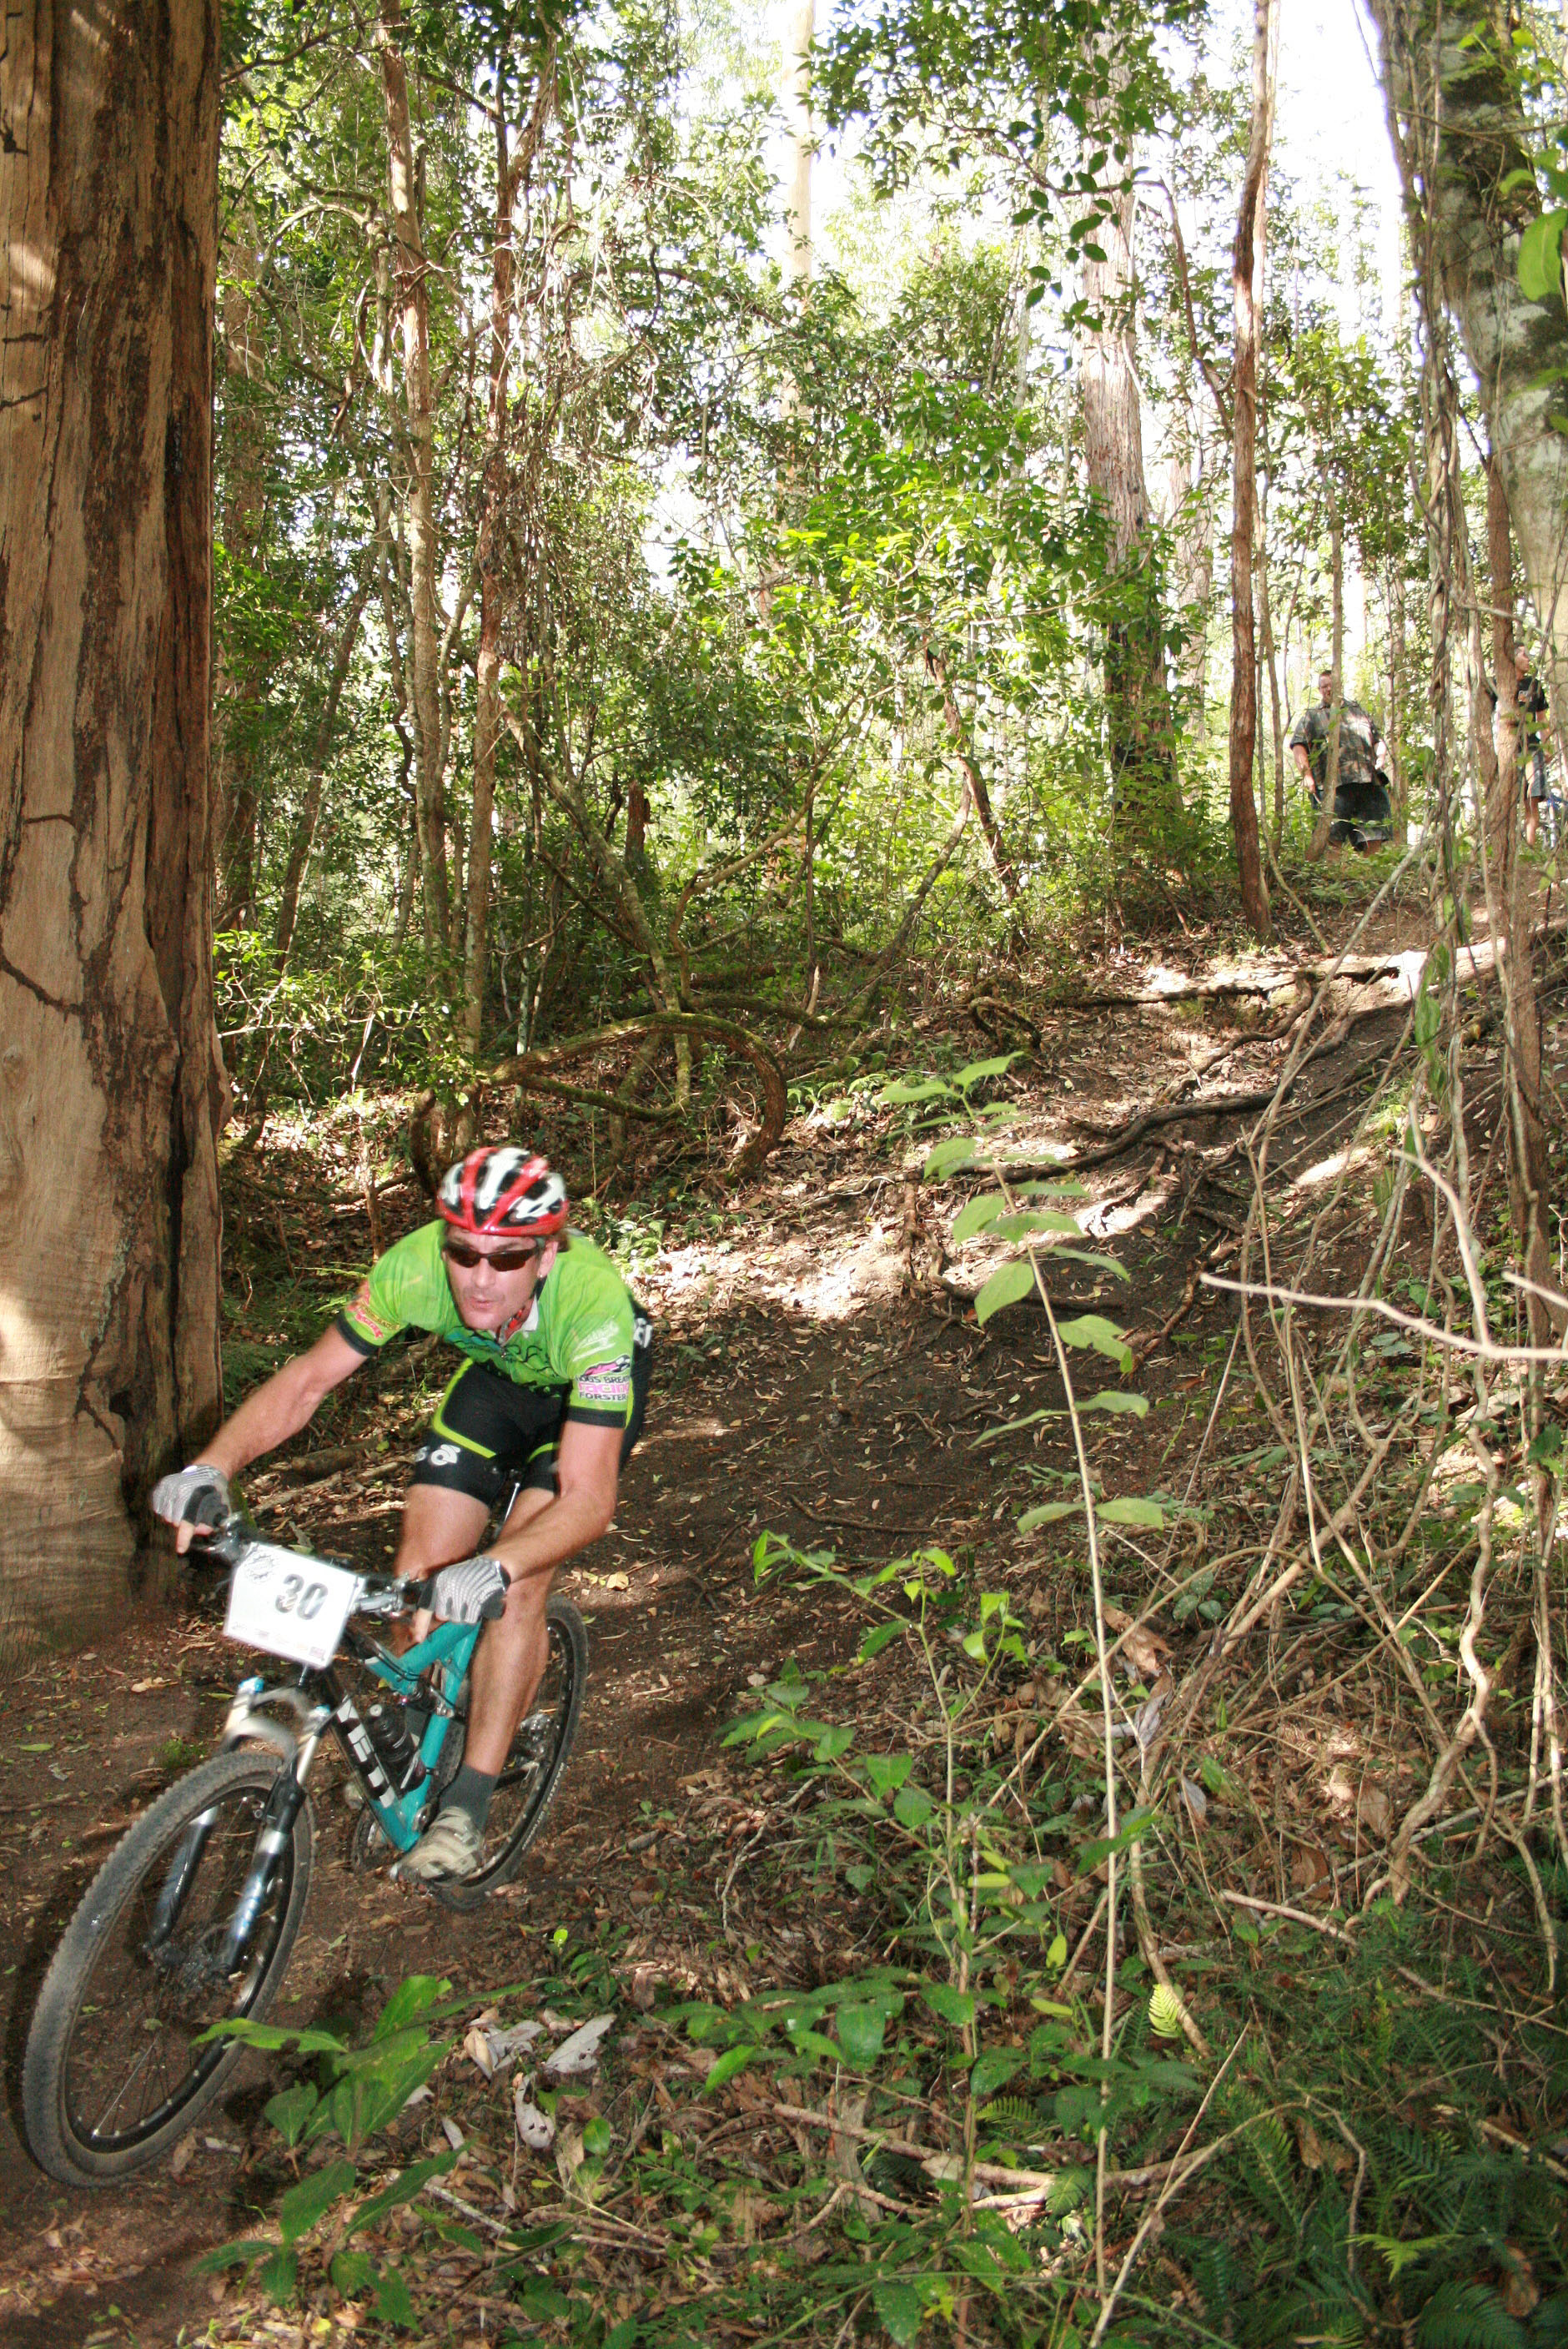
point(550, 1397)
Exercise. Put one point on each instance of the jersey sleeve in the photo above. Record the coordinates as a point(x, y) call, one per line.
point(379, 1308)
point(598, 1360)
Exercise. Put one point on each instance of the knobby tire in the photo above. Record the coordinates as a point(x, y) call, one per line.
point(106, 2006)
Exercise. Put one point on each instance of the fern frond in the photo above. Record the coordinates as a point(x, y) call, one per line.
point(1009, 2112)
point(1467, 2316)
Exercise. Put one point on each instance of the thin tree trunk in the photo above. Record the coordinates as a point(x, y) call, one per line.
point(310, 807)
point(1138, 697)
point(111, 1087)
point(1419, 151)
point(1457, 120)
point(1508, 909)
point(407, 798)
point(1195, 583)
point(1319, 841)
point(487, 696)
point(639, 808)
point(794, 94)
point(1243, 493)
point(958, 734)
point(808, 885)
point(1270, 665)
point(1270, 660)
point(412, 300)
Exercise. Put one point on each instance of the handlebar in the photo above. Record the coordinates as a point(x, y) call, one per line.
point(224, 1538)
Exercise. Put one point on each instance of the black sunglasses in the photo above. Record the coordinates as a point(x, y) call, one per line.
point(509, 1259)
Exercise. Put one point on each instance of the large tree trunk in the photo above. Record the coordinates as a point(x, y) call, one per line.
point(1455, 112)
point(1243, 491)
point(111, 1089)
point(241, 674)
point(412, 300)
point(1138, 696)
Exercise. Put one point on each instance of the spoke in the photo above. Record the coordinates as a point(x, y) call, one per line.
point(98, 2127)
point(165, 2007)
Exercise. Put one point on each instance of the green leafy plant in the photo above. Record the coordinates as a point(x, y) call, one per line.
point(360, 2091)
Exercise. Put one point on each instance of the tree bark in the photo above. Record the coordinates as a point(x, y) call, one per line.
point(111, 1086)
point(487, 694)
point(1419, 146)
point(240, 682)
point(310, 808)
point(1508, 913)
point(1243, 493)
point(1195, 583)
point(1395, 693)
point(1455, 116)
point(958, 734)
point(1138, 697)
point(411, 301)
point(795, 96)
point(1319, 841)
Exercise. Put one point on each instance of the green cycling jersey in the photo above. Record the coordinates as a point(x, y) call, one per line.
point(577, 1333)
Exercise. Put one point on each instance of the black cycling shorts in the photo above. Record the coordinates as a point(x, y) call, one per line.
point(489, 1434)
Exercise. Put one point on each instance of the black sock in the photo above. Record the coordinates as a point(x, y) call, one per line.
point(470, 1791)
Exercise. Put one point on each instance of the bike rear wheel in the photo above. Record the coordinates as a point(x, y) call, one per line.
point(112, 2076)
point(526, 1787)
point(527, 1784)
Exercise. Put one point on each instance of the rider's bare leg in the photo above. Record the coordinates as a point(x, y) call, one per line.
point(440, 1526)
point(509, 1662)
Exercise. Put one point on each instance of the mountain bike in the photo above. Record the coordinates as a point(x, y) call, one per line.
point(191, 1919)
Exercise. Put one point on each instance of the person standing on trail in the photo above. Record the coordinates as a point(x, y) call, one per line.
point(549, 1400)
point(1529, 704)
point(1362, 812)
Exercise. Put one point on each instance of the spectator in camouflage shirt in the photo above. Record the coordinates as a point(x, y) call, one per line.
point(1362, 813)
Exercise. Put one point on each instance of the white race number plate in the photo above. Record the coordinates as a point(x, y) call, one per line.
point(291, 1606)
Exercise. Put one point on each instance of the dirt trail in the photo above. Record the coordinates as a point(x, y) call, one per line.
point(817, 1375)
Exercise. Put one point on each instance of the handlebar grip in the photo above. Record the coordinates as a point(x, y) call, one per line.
point(207, 1512)
point(419, 1595)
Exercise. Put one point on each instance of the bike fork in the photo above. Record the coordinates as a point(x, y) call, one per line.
point(277, 1827)
point(177, 1883)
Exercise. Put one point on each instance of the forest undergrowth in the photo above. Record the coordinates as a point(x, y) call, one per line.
point(1147, 1924)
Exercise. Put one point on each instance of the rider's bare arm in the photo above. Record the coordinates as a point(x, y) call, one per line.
point(279, 1407)
point(1303, 764)
point(588, 1467)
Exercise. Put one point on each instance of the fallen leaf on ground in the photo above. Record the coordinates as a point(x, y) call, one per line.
point(581, 2052)
point(1196, 1800)
point(1309, 1869)
point(493, 2051)
point(536, 2128)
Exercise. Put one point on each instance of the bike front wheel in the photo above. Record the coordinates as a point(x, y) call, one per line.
point(113, 2073)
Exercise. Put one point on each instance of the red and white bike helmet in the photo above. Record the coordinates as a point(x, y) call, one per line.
point(499, 1188)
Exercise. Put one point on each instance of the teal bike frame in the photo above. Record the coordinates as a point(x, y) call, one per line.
point(319, 1702)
